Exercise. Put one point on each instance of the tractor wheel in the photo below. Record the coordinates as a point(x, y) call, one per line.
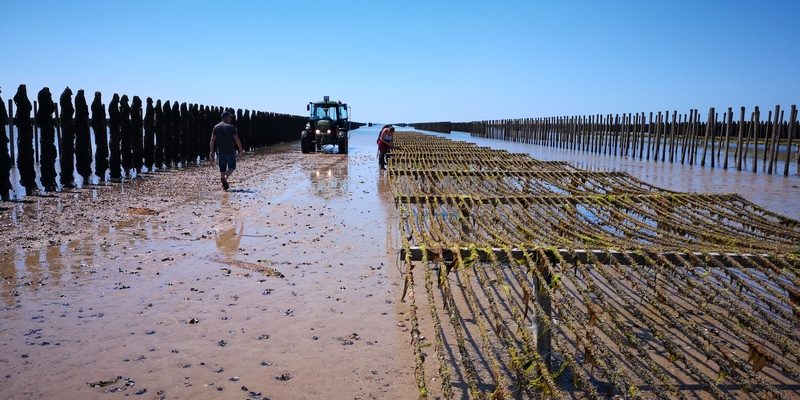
point(343, 145)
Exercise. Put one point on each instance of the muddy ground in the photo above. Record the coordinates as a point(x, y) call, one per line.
point(286, 286)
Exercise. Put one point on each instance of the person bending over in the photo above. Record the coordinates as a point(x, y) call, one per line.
point(385, 144)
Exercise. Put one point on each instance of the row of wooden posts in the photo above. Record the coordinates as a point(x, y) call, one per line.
point(727, 141)
point(130, 138)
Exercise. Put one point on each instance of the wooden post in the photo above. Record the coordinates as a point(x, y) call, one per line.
point(781, 127)
point(601, 127)
point(641, 136)
point(728, 122)
point(675, 122)
point(35, 133)
point(628, 132)
point(790, 135)
point(596, 134)
point(607, 140)
point(649, 134)
point(11, 128)
point(776, 136)
point(685, 134)
point(709, 126)
point(543, 335)
point(58, 131)
point(698, 127)
point(664, 129)
point(748, 137)
point(690, 139)
point(713, 138)
point(576, 132)
point(756, 123)
point(739, 141)
point(623, 136)
point(767, 135)
point(617, 134)
point(635, 134)
point(657, 145)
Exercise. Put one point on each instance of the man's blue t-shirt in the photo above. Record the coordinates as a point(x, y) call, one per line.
point(224, 138)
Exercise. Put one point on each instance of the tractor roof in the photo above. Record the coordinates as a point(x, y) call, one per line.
point(329, 103)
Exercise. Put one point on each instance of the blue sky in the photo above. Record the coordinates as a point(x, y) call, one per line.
point(408, 61)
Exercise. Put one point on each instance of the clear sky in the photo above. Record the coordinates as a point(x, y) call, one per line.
point(409, 60)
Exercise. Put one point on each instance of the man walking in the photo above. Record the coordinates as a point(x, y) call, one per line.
point(224, 136)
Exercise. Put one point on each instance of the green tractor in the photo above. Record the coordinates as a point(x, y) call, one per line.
point(328, 123)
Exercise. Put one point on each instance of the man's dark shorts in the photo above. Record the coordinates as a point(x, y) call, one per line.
point(227, 162)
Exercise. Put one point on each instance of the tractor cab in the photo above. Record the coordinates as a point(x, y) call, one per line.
point(328, 123)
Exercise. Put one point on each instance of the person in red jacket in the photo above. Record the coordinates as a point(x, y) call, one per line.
point(385, 144)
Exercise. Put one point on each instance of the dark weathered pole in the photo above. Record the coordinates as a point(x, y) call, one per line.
point(35, 132)
point(748, 137)
point(709, 127)
point(57, 124)
point(740, 150)
point(776, 136)
point(83, 138)
point(25, 158)
point(673, 129)
point(11, 127)
point(783, 127)
point(137, 135)
point(169, 143)
point(635, 142)
point(176, 133)
point(543, 335)
point(728, 122)
point(149, 135)
point(100, 137)
point(44, 118)
point(67, 142)
point(756, 125)
point(714, 139)
point(687, 129)
point(767, 136)
point(649, 134)
point(790, 134)
point(695, 135)
point(641, 135)
point(126, 135)
point(5, 159)
point(628, 133)
point(658, 137)
point(115, 126)
point(187, 145)
point(160, 135)
point(669, 123)
point(611, 132)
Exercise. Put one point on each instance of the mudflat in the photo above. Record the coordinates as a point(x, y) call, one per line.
point(166, 286)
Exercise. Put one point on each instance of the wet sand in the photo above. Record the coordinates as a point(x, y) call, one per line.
point(287, 286)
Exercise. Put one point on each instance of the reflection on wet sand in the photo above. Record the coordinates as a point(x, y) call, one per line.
point(8, 277)
point(228, 240)
point(54, 263)
point(331, 179)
